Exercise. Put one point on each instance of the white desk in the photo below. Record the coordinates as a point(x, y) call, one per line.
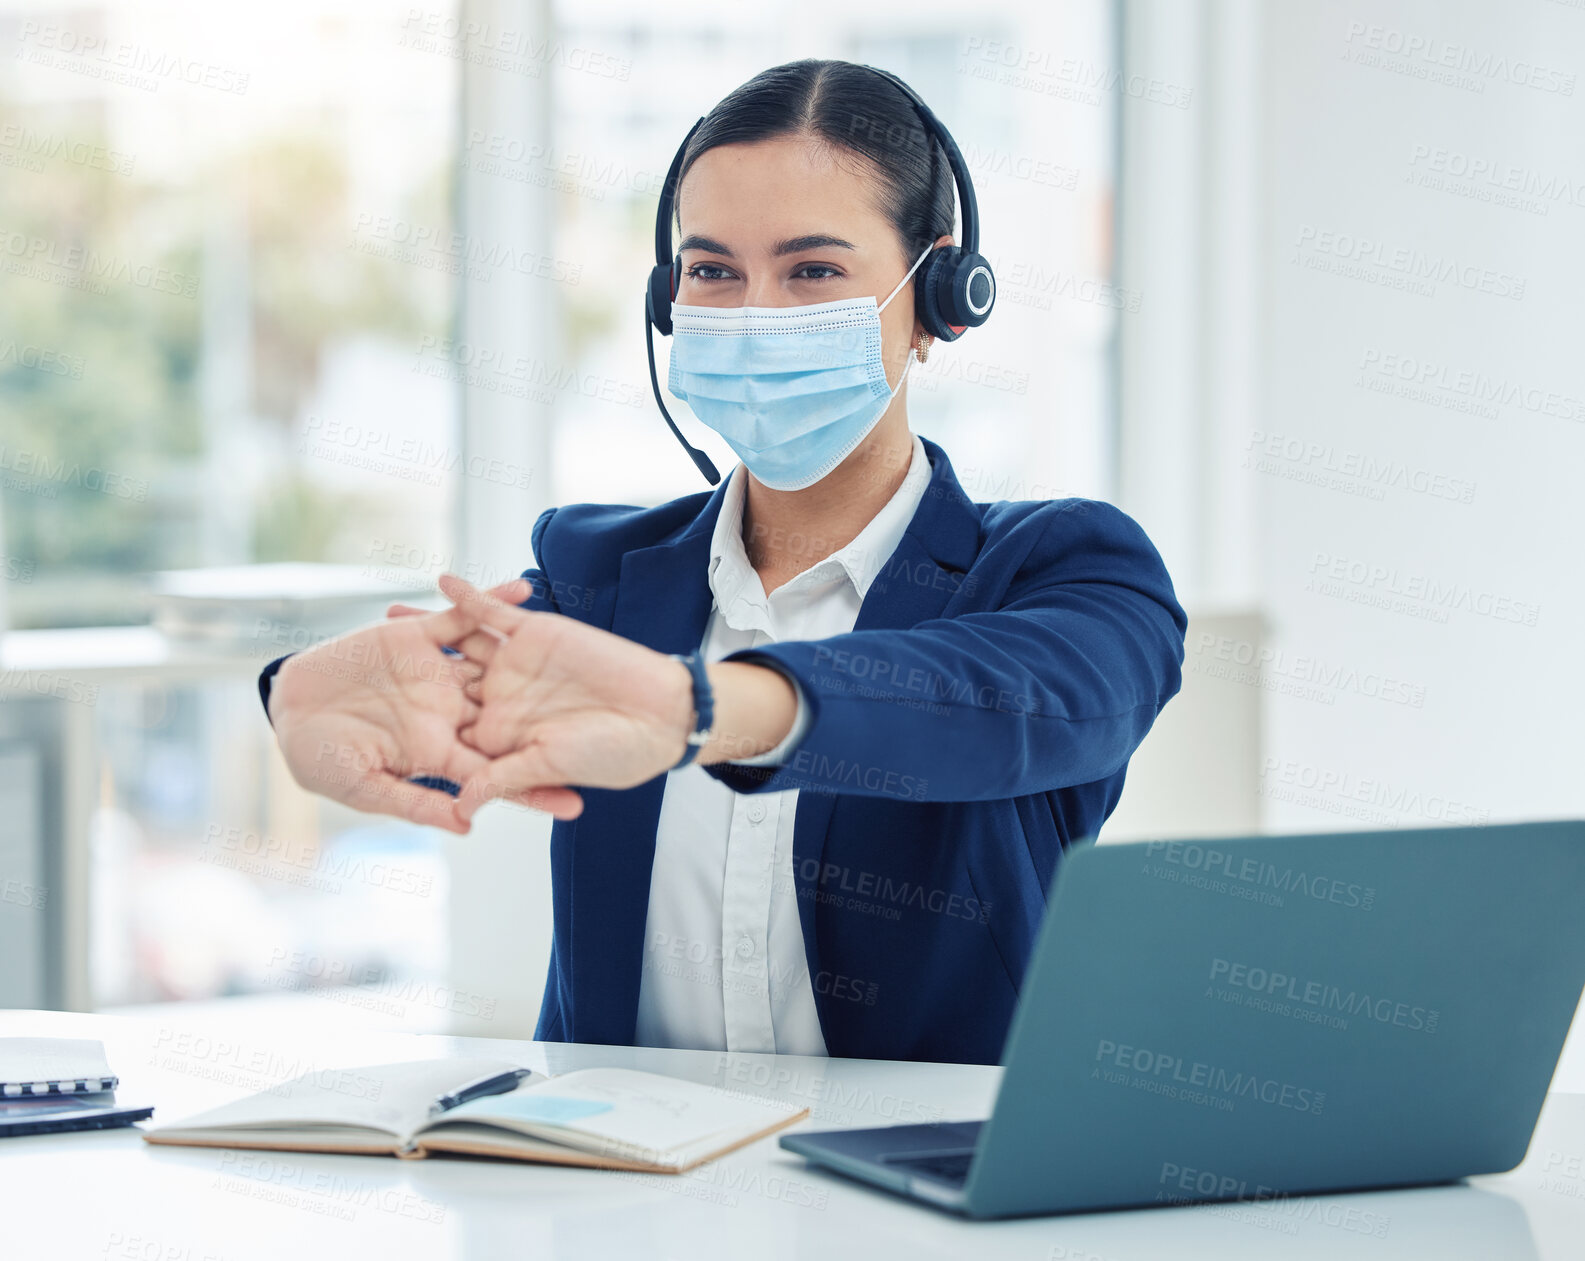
point(110, 1196)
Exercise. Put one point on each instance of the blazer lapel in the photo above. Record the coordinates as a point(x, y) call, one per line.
point(663, 601)
point(913, 586)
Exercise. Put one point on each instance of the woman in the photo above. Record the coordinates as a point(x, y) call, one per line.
point(815, 741)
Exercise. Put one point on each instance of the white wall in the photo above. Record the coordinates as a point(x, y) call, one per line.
point(1313, 140)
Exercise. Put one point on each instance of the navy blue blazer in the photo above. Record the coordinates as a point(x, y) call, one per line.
point(1006, 662)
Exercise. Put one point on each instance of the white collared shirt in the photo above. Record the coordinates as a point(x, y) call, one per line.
point(724, 965)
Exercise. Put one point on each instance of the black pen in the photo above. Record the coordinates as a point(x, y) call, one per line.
point(496, 1085)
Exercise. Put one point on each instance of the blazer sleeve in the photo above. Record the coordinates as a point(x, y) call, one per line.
point(542, 599)
point(1056, 687)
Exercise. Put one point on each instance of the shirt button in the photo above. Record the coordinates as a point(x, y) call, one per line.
point(756, 813)
point(745, 947)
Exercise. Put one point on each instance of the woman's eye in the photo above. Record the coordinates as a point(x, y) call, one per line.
point(708, 272)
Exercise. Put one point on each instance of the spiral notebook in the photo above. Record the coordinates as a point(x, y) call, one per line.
point(53, 1066)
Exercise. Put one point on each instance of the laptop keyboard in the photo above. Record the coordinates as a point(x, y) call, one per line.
point(947, 1166)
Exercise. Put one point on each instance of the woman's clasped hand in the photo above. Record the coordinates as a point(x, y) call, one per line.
point(534, 703)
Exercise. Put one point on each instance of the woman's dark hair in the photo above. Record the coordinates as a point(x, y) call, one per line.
point(847, 107)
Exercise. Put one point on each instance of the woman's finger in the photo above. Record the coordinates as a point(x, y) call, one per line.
point(380, 792)
point(563, 803)
point(513, 591)
point(480, 646)
point(511, 776)
point(482, 607)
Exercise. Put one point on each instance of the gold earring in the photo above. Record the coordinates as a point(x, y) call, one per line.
point(922, 346)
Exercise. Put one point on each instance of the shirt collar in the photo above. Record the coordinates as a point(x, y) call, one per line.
point(732, 577)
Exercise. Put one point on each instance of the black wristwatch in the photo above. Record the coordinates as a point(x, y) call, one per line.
point(703, 707)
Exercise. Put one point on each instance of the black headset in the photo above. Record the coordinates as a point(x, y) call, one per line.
point(954, 288)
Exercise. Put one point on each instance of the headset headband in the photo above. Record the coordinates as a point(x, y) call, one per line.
point(960, 176)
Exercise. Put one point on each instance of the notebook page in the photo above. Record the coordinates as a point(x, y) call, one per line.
point(32, 1065)
point(661, 1115)
point(392, 1098)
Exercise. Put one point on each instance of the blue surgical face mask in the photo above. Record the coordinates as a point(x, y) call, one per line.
point(793, 390)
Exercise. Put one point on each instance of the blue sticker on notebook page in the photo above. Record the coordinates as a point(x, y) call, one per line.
point(528, 1106)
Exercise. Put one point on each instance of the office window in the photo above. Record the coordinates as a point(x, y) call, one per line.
point(215, 322)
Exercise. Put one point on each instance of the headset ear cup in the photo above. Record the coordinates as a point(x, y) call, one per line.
point(659, 298)
point(928, 292)
point(973, 291)
point(962, 292)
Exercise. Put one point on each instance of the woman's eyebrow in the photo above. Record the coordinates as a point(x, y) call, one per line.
point(813, 241)
point(705, 243)
point(792, 245)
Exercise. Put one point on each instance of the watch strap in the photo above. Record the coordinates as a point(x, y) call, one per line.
point(703, 707)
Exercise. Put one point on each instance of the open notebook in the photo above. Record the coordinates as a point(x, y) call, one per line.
point(608, 1118)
